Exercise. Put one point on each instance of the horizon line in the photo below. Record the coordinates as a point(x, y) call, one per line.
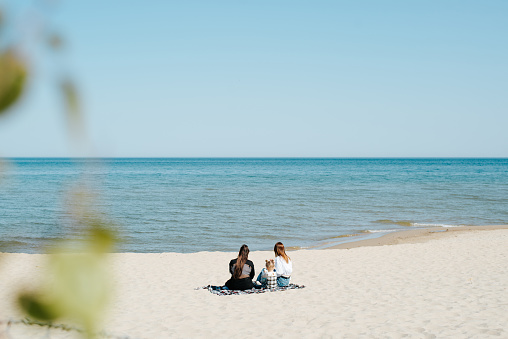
point(252, 157)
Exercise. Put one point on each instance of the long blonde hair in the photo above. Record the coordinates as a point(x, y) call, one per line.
point(280, 251)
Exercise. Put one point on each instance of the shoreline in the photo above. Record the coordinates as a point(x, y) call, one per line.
point(413, 236)
point(395, 237)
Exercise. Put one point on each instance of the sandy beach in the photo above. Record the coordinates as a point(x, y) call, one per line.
point(428, 284)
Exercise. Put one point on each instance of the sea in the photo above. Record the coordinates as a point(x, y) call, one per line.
point(190, 205)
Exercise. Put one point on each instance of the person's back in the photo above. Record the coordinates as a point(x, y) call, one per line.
point(283, 265)
point(247, 268)
point(242, 271)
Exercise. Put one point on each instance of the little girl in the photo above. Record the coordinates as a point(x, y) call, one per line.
point(268, 278)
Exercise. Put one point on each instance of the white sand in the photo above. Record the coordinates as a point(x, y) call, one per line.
point(454, 286)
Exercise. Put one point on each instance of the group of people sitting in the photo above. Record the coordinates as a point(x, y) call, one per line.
point(277, 272)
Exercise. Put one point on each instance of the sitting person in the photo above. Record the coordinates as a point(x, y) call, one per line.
point(242, 271)
point(283, 265)
point(267, 278)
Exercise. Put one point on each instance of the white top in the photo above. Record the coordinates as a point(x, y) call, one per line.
point(282, 267)
point(267, 273)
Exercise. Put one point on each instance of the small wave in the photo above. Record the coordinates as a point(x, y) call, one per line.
point(436, 225)
point(382, 231)
point(14, 246)
point(9, 243)
point(28, 239)
point(405, 223)
point(346, 236)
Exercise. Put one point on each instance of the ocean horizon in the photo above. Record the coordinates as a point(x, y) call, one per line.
point(216, 204)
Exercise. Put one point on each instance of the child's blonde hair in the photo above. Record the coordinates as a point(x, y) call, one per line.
point(270, 263)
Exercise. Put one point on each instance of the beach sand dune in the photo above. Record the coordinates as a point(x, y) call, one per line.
point(454, 286)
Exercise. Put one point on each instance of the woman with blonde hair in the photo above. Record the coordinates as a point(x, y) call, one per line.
point(283, 265)
point(242, 271)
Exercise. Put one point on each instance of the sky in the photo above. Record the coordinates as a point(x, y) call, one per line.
point(267, 79)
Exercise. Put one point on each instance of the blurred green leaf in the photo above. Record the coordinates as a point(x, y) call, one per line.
point(76, 287)
point(35, 307)
point(71, 99)
point(12, 81)
point(72, 109)
point(102, 239)
point(81, 286)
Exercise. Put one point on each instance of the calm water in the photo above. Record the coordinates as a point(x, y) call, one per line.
point(190, 205)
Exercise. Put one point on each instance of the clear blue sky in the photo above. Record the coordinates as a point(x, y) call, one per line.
point(273, 78)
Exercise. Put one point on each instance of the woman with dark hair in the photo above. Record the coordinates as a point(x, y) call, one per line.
point(283, 265)
point(242, 271)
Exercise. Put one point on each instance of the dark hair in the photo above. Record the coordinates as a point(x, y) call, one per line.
point(280, 251)
point(243, 255)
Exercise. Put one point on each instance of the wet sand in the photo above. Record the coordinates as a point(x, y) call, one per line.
point(416, 236)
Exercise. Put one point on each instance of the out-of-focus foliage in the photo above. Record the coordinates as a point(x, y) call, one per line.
point(70, 97)
point(77, 286)
point(14, 75)
point(12, 79)
point(37, 306)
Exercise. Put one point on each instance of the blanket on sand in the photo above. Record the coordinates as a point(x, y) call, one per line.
point(219, 291)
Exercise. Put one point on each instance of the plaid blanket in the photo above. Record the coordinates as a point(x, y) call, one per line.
point(219, 291)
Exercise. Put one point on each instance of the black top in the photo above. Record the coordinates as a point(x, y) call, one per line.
point(248, 262)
